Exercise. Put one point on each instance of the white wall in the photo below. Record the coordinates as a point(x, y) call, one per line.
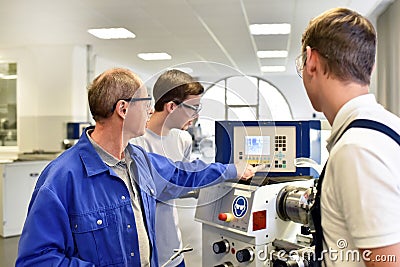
point(293, 89)
point(51, 90)
point(388, 58)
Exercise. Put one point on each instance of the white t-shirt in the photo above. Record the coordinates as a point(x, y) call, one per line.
point(360, 200)
point(177, 146)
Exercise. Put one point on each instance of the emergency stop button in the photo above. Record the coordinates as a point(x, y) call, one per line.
point(225, 216)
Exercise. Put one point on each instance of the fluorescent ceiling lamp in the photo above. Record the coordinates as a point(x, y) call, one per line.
point(273, 68)
point(112, 33)
point(272, 54)
point(268, 29)
point(154, 56)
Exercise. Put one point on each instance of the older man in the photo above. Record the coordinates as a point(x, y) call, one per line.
point(95, 204)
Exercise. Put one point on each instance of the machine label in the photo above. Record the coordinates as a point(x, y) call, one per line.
point(239, 206)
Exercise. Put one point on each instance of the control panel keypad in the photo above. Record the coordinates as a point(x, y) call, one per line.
point(280, 151)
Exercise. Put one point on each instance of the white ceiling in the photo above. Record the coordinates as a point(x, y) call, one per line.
point(188, 30)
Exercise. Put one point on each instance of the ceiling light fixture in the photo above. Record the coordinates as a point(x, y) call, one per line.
point(154, 56)
point(269, 29)
point(112, 33)
point(273, 68)
point(272, 54)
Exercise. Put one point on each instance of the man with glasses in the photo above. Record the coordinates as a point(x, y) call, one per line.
point(177, 103)
point(360, 189)
point(95, 204)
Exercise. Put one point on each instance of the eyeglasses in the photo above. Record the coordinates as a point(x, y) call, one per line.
point(196, 108)
point(133, 99)
point(300, 62)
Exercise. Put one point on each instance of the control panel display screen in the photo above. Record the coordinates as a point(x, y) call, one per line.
point(257, 145)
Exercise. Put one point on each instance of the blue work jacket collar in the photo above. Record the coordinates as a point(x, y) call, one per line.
point(94, 165)
point(91, 160)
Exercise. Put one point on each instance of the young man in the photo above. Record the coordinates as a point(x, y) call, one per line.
point(360, 194)
point(177, 97)
point(95, 204)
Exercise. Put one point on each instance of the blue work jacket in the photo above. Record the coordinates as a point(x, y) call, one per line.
point(80, 213)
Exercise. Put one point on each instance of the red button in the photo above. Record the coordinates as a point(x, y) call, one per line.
point(222, 216)
point(225, 216)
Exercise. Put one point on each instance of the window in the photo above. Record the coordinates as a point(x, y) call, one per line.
point(8, 106)
point(242, 98)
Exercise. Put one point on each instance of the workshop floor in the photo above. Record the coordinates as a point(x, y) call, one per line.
point(8, 251)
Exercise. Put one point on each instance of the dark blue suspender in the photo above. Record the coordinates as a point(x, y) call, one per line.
point(374, 125)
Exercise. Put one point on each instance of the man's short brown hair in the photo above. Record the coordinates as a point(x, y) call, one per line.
point(109, 87)
point(347, 43)
point(174, 85)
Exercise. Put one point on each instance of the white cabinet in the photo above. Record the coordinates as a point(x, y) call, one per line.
point(18, 179)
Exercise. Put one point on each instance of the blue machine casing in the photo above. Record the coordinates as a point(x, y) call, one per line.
point(75, 129)
point(308, 142)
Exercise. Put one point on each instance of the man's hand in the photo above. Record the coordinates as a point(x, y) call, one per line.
point(245, 171)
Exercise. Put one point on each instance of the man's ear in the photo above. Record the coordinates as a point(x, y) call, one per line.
point(169, 106)
point(121, 109)
point(311, 61)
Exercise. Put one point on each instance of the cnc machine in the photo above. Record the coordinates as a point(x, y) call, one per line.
point(264, 222)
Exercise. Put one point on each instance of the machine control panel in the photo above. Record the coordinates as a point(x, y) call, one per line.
point(232, 210)
point(272, 147)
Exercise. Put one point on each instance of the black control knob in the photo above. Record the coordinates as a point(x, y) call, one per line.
point(221, 247)
point(244, 255)
point(225, 264)
point(305, 230)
